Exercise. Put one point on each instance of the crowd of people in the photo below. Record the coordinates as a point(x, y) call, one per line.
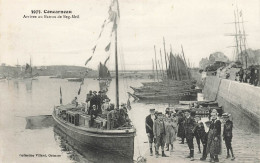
point(250, 75)
point(162, 130)
point(98, 105)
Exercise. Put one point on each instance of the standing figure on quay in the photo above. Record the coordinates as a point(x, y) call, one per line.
point(189, 126)
point(181, 131)
point(149, 122)
point(171, 130)
point(159, 134)
point(227, 135)
point(214, 139)
point(197, 132)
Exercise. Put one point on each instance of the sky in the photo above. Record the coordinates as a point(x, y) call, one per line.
point(200, 26)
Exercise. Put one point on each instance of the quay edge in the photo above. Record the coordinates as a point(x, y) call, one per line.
point(242, 100)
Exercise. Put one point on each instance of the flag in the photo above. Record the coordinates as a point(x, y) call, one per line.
point(99, 35)
point(108, 47)
point(79, 90)
point(128, 105)
point(114, 26)
point(60, 96)
point(114, 7)
point(106, 60)
point(82, 82)
point(104, 24)
point(94, 48)
point(88, 60)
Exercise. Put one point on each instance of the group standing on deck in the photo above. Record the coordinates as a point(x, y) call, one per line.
point(98, 106)
point(162, 130)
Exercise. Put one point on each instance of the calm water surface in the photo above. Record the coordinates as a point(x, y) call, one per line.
point(20, 99)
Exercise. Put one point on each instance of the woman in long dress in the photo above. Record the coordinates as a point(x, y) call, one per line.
point(214, 139)
point(171, 130)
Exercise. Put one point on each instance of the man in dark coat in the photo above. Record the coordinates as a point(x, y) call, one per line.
point(252, 75)
point(149, 120)
point(227, 134)
point(256, 77)
point(197, 131)
point(89, 96)
point(241, 74)
point(94, 100)
point(93, 115)
point(189, 126)
point(181, 131)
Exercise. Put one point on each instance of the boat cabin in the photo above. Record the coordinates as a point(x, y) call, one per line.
point(76, 116)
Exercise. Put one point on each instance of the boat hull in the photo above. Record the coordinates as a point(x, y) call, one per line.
point(121, 143)
point(166, 97)
point(89, 154)
point(75, 80)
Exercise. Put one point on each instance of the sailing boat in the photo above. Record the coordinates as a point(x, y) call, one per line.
point(104, 77)
point(103, 72)
point(28, 72)
point(74, 122)
point(175, 85)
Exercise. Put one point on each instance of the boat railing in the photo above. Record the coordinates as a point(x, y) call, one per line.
point(78, 117)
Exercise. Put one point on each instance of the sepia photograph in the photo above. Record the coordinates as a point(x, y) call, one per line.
point(129, 81)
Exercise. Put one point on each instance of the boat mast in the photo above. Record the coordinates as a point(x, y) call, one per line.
point(188, 74)
point(153, 70)
point(162, 64)
point(240, 38)
point(116, 64)
point(156, 63)
point(166, 67)
point(244, 35)
point(31, 66)
point(237, 50)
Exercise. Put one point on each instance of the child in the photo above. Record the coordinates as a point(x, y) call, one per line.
point(227, 134)
point(203, 137)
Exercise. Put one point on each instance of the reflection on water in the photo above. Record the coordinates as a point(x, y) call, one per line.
point(39, 122)
point(28, 85)
point(75, 150)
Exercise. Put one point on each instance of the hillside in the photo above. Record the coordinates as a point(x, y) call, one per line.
point(62, 71)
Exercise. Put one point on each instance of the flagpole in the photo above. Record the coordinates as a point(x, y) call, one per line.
point(116, 64)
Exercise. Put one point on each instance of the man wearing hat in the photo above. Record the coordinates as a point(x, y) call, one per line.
point(189, 126)
point(93, 100)
point(181, 130)
point(159, 134)
point(197, 131)
point(89, 96)
point(99, 101)
point(149, 121)
point(227, 134)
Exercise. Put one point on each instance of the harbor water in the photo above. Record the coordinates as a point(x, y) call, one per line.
point(20, 99)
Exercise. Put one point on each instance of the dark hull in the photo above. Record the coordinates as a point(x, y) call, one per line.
point(75, 80)
point(78, 149)
point(104, 79)
point(164, 97)
point(115, 141)
point(168, 83)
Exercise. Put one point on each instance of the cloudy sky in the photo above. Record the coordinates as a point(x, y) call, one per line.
point(199, 25)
